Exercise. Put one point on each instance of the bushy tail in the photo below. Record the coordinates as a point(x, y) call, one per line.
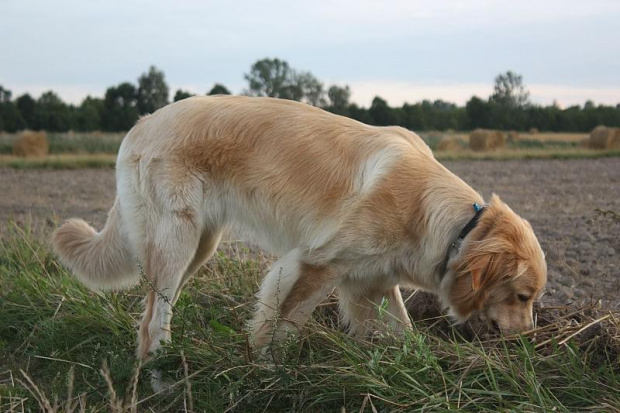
point(101, 260)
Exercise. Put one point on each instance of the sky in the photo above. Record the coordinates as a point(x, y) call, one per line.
point(404, 51)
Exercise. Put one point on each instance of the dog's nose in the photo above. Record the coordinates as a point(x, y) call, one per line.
point(495, 326)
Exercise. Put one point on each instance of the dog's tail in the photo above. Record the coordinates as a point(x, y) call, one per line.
point(100, 260)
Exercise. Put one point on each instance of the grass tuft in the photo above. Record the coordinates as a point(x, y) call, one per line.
point(65, 348)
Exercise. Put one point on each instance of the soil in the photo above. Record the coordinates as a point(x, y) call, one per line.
point(558, 197)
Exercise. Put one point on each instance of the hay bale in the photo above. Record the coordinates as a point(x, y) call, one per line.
point(604, 138)
point(31, 144)
point(449, 144)
point(486, 140)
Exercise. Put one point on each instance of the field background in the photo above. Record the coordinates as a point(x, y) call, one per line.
point(98, 150)
point(98, 142)
point(64, 348)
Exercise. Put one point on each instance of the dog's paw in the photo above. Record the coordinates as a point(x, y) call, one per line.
point(158, 384)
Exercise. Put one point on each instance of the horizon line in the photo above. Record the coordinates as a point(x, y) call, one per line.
point(396, 93)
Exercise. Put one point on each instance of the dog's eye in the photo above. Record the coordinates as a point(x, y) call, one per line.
point(524, 298)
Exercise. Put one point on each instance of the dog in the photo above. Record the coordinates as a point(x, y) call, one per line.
point(346, 206)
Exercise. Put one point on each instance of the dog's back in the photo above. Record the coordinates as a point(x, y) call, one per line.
point(282, 173)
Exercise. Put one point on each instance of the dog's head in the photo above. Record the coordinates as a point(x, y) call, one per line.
point(500, 272)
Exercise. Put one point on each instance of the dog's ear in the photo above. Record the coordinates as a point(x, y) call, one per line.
point(476, 278)
point(470, 283)
point(495, 200)
point(479, 267)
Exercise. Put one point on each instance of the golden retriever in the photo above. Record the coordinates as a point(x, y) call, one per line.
point(358, 208)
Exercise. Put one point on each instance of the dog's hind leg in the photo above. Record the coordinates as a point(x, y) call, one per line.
point(169, 251)
point(365, 310)
point(209, 241)
point(170, 248)
point(288, 295)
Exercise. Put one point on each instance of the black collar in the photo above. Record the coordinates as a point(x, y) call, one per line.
point(456, 245)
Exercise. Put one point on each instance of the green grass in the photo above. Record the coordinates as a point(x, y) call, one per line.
point(56, 336)
point(59, 162)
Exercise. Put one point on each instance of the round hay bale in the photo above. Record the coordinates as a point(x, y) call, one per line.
point(449, 144)
point(486, 140)
point(604, 138)
point(31, 144)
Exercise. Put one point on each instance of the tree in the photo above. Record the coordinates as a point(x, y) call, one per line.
point(181, 94)
point(359, 114)
point(120, 109)
point(269, 77)
point(89, 114)
point(382, 114)
point(5, 95)
point(445, 115)
point(26, 106)
point(52, 114)
point(413, 117)
point(509, 91)
point(152, 91)
point(310, 89)
point(219, 89)
point(478, 113)
point(10, 118)
point(275, 78)
point(339, 99)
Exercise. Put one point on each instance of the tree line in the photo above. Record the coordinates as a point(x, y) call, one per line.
point(508, 108)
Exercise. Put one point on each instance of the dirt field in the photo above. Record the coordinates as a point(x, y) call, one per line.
point(558, 198)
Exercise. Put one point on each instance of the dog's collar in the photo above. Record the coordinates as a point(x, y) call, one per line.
point(456, 245)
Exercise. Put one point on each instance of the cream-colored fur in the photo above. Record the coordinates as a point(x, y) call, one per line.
point(364, 209)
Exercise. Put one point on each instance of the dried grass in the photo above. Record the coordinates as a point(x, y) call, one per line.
point(513, 136)
point(448, 143)
point(31, 144)
point(604, 138)
point(590, 327)
point(486, 140)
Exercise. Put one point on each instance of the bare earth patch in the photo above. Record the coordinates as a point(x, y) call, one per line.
point(558, 197)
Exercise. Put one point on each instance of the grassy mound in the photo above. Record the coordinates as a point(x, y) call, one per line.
point(64, 348)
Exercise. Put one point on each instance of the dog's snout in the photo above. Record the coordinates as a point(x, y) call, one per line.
point(495, 326)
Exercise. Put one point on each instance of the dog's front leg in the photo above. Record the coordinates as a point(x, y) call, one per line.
point(368, 309)
point(289, 294)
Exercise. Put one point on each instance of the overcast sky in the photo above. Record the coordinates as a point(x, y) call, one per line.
point(566, 50)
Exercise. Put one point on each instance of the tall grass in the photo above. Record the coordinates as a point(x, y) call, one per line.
point(63, 347)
